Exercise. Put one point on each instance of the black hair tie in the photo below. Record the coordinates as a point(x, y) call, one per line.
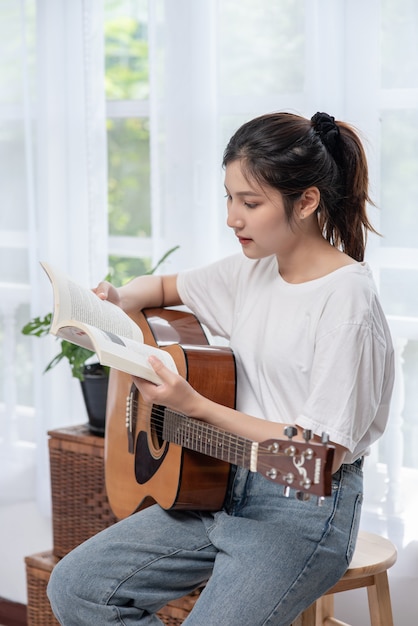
point(328, 131)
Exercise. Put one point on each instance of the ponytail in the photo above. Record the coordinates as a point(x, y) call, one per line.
point(345, 224)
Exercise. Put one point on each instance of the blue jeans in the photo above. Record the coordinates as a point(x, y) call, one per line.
point(266, 558)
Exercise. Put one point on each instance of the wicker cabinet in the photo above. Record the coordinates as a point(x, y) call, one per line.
point(38, 570)
point(80, 509)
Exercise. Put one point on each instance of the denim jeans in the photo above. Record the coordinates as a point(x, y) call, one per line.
point(266, 558)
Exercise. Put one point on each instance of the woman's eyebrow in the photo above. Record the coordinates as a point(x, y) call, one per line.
point(245, 193)
point(248, 193)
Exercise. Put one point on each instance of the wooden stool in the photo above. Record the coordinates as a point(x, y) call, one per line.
point(372, 557)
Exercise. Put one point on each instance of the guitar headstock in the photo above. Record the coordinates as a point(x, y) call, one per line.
point(305, 466)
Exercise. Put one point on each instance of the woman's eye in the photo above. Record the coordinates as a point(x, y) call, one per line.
point(250, 205)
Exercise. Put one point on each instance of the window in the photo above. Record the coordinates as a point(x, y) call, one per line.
point(127, 108)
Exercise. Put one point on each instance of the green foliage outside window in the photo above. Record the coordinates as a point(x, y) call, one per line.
point(127, 79)
point(129, 177)
point(126, 56)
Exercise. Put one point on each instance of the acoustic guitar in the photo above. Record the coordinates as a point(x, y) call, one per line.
point(153, 454)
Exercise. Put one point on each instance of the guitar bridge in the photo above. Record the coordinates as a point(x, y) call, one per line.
point(130, 418)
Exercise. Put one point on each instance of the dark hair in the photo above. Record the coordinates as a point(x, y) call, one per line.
point(291, 153)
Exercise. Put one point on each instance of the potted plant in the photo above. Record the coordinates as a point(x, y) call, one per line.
point(92, 376)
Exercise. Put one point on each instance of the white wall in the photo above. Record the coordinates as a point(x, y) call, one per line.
point(23, 531)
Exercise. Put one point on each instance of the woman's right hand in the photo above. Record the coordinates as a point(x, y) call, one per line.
point(106, 291)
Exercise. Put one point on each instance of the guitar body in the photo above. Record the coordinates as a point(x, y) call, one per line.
point(140, 467)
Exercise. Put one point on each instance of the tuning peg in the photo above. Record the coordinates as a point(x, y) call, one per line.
point(290, 431)
point(289, 478)
point(307, 434)
point(325, 438)
point(306, 484)
point(290, 450)
point(271, 473)
point(302, 496)
point(274, 448)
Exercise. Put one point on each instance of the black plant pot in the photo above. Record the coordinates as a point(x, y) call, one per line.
point(94, 388)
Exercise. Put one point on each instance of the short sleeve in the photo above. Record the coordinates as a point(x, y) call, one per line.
point(211, 293)
point(351, 380)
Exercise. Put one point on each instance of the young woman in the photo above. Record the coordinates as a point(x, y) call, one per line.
point(313, 350)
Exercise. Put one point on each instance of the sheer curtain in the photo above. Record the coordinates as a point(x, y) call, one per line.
point(71, 178)
point(53, 186)
point(17, 454)
point(54, 190)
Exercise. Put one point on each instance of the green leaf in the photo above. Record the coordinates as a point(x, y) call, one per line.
point(163, 258)
point(38, 326)
point(76, 357)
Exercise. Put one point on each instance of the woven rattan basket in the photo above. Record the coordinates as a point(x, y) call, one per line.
point(38, 570)
point(80, 507)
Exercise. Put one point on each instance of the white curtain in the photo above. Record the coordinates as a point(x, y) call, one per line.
point(71, 178)
point(54, 207)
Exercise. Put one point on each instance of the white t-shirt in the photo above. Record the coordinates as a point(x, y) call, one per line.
point(316, 354)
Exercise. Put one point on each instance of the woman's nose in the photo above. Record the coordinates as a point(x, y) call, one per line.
point(234, 220)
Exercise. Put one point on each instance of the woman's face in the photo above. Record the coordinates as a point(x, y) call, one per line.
point(257, 215)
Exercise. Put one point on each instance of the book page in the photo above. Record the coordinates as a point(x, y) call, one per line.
point(118, 352)
point(74, 303)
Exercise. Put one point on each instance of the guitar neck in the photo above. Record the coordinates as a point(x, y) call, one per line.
point(304, 465)
point(201, 437)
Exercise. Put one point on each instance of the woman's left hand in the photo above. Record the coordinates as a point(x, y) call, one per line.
point(174, 391)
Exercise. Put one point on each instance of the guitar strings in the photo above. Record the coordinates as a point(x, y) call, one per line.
point(237, 444)
point(238, 448)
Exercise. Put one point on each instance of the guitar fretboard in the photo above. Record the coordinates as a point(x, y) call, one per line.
point(207, 439)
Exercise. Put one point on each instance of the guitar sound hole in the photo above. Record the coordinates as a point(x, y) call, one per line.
point(157, 421)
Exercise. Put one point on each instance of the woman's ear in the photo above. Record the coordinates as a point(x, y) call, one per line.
point(309, 202)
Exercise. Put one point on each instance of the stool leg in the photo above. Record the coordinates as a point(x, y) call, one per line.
point(379, 601)
point(324, 609)
point(308, 617)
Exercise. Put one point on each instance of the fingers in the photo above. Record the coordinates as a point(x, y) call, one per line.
point(148, 388)
point(158, 366)
point(106, 291)
point(174, 391)
point(102, 290)
point(150, 392)
point(168, 392)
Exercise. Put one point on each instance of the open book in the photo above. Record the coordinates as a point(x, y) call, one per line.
point(82, 318)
